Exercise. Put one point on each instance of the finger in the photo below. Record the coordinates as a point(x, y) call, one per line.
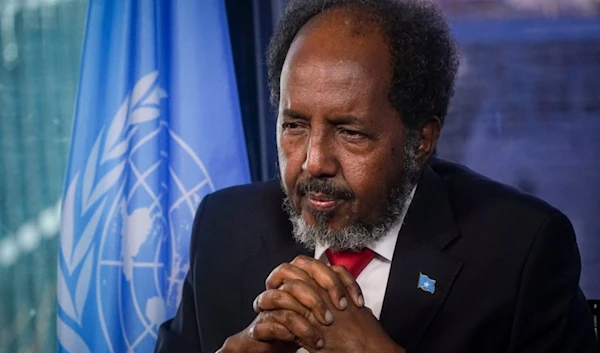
point(327, 279)
point(309, 297)
point(302, 260)
point(274, 299)
point(271, 331)
point(287, 272)
point(305, 334)
point(308, 294)
point(352, 287)
point(296, 296)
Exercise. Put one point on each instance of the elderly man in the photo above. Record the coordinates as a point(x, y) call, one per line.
point(393, 250)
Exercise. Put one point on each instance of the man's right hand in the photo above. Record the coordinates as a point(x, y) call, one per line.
point(294, 297)
point(275, 331)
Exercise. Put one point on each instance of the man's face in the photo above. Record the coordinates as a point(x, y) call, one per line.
point(341, 143)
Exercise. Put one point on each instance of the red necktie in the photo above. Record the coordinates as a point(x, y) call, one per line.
point(355, 262)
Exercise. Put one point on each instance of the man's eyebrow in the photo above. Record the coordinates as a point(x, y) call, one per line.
point(346, 119)
point(295, 115)
point(337, 120)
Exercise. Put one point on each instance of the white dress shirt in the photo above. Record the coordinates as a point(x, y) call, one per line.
point(374, 277)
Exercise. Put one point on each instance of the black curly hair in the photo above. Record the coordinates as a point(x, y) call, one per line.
point(424, 55)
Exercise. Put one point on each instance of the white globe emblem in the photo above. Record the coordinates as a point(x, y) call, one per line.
point(152, 232)
point(145, 242)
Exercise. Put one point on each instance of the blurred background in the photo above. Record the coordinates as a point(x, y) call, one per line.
point(526, 112)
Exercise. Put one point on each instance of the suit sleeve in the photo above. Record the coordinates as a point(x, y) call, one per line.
point(552, 314)
point(182, 334)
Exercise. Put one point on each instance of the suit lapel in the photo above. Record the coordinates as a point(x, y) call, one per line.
point(428, 228)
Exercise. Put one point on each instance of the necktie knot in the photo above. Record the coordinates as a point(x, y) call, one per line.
point(355, 262)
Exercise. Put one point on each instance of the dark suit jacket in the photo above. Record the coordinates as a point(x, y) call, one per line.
point(506, 264)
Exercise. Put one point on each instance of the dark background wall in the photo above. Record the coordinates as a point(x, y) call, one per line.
point(527, 113)
point(526, 110)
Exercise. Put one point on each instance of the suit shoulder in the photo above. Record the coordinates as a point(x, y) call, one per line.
point(473, 192)
point(243, 195)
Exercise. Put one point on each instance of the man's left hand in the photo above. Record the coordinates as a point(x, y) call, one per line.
point(355, 330)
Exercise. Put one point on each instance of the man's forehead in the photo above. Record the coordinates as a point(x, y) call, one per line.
point(325, 52)
point(314, 68)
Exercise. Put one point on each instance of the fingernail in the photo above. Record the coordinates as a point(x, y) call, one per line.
point(320, 344)
point(255, 304)
point(343, 303)
point(251, 332)
point(361, 300)
point(328, 316)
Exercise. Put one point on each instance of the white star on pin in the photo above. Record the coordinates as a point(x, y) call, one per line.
point(426, 284)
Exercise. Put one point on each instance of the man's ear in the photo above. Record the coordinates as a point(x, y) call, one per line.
point(430, 133)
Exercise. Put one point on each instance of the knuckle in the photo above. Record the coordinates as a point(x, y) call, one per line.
point(337, 286)
point(355, 287)
point(338, 283)
point(320, 304)
point(257, 304)
point(264, 316)
point(339, 269)
point(308, 265)
point(276, 296)
point(310, 333)
point(304, 293)
point(260, 331)
point(301, 259)
point(275, 275)
point(306, 312)
point(252, 332)
point(286, 286)
point(329, 279)
point(273, 330)
point(288, 319)
point(269, 281)
point(343, 274)
point(285, 267)
point(336, 268)
point(292, 286)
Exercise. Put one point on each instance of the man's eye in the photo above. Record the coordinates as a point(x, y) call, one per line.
point(290, 125)
point(352, 133)
point(293, 128)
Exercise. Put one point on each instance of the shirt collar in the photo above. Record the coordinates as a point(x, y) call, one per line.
point(385, 246)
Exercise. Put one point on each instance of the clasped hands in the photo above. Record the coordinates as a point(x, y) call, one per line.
point(311, 305)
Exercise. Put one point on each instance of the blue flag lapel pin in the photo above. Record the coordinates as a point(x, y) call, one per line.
point(426, 283)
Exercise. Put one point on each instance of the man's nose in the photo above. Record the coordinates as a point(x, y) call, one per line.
point(320, 157)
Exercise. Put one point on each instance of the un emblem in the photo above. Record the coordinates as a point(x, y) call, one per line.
point(122, 274)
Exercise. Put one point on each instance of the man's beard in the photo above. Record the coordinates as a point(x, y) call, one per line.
point(357, 235)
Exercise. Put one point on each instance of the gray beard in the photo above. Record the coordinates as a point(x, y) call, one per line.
point(359, 235)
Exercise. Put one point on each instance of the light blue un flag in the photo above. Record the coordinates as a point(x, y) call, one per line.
point(157, 127)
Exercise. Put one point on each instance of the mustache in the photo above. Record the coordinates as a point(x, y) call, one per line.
point(323, 186)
